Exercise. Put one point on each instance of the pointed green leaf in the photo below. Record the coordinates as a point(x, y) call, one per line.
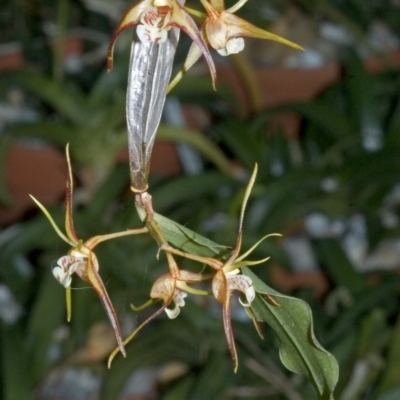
point(299, 350)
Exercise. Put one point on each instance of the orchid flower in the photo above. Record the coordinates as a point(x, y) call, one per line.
point(154, 19)
point(228, 277)
point(81, 260)
point(170, 288)
point(224, 31)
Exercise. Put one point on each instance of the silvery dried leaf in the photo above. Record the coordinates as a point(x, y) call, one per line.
point(149, 74)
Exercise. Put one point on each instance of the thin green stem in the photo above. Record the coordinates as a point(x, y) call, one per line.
point(196, 13)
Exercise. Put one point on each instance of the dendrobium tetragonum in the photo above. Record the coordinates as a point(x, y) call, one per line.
point(170, 288)
point(224, 31)
point(81, 259)
point(154, 19)
point(227, 279)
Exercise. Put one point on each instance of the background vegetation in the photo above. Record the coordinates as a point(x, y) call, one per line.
point(332, 191)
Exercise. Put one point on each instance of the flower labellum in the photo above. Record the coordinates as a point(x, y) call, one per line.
point(66, 266)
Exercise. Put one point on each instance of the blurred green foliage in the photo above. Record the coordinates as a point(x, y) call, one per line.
point(345, 162)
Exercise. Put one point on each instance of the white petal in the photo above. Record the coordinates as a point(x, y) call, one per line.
point(66, 266)
point(63, 277)
point(233, 46)
point(250, 294)
point(244, 284)
point(223, 52)
point(173, 312)
point(179, 300)
point(179, 297)
point(65, 262)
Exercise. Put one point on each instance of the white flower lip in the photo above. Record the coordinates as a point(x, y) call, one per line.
point(232, 46)
point(63, 277)
point(66, 266)
point(244, 284)
point(179, 300)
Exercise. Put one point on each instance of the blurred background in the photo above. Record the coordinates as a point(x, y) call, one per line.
point(323, 125)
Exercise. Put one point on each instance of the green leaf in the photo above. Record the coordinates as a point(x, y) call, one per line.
point(338, 265)
point(391, 373)
point(15, 379)
point(5, 197)
point(393, 394)
point(46, 316)
point(299, 350)
point(329, 120)
point(363, 105)
point(53, 132)
point(200, 142)
point(186, 188)
point(245, 145)
point(214, 379)
point(383, 295)
point(186, 239)
point(182, 389)
point(70, 103)
point(170, 341)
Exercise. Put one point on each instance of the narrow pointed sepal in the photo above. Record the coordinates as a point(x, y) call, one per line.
point(238, 27)
point(271, 300)
point(256, 324)
point(91, 276)
point(182, 20)
point(68, 303)
point(226, 315)
point(134, 333)
point(129, 19)
point(52, 222)
point(69, 222)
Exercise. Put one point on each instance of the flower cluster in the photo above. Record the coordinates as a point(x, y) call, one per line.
point(170, 288)
point(221, 29)
point(173, 287)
